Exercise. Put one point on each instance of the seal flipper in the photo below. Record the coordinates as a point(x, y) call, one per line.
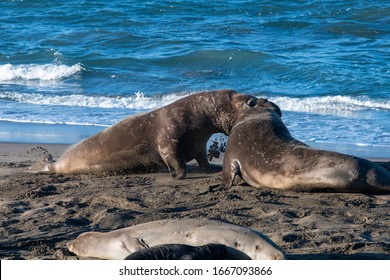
point(173, 157)
point(202, 158)
point(44, 165)
point(228, 178)
point(180, 172)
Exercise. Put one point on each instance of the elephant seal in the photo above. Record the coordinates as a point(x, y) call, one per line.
point(263, 153)
point(172, 135)
point(240, 242)
point(181, 252)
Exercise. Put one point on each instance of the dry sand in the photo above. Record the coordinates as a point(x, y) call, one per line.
point(41, 213)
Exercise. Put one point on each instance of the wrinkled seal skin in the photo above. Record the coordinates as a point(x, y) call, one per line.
point(240, 242)
point(262, 152)
point(172, 135)
point(181, 252)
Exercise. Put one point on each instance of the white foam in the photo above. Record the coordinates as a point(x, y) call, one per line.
point(338, 105)
point(27, 121)
point(330, 104)
point(363, 144)
point(138, 101)
point(45, 72)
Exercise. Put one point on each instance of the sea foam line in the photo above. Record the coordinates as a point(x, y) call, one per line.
point(336, 103)
point(45, 72)
point(140, 101)
point(46, 122)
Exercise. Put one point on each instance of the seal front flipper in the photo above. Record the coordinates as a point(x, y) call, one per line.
point(228, 177)
point(177, 168)
point(202, 157)
point(172, 155)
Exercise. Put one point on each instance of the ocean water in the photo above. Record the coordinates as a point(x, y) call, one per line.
point(68, 69)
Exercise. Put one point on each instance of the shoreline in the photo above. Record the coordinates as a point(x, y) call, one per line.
point(40, 213)
point(17, 152)
point(70, 134)
point(27, 132)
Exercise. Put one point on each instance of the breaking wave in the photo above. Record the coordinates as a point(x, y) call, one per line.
point(45, 72)
point(140, 101)
point(329, 104)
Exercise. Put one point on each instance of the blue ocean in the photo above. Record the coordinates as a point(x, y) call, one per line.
point(68, 69)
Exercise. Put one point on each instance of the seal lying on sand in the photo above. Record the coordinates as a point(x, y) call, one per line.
point(240, 242)
point(181, 252)
point(262, 152)
point(174, 134)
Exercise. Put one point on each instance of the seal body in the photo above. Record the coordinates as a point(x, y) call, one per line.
point(240, 242)
point(262, 152)
point(172, 136)
point(181, 252)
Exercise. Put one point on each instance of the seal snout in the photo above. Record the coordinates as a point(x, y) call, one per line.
point(70, 246)
point(262, 102)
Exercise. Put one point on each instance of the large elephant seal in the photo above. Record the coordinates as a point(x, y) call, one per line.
point(262, 152)
point(172, 135)
point(240, 242)
point(181, 252)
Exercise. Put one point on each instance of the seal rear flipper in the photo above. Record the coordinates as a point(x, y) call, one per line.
point(43, 166)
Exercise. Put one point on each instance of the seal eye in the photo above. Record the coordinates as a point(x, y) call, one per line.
point(251, 102)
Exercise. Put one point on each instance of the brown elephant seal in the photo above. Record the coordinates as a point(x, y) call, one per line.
point(181, 252)
point(262, 152)
point(172, 136)
point(240, 242)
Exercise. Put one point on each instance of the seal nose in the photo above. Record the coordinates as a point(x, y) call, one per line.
point(262, 102)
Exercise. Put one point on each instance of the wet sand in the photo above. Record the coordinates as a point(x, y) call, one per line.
point(40, 213)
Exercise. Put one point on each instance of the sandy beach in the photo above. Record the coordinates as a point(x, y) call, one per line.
point(40, 213)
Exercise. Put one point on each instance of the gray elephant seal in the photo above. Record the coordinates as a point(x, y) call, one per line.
point(181, 252)
point(172, 136)
point(262, 152)
point(240, 242)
